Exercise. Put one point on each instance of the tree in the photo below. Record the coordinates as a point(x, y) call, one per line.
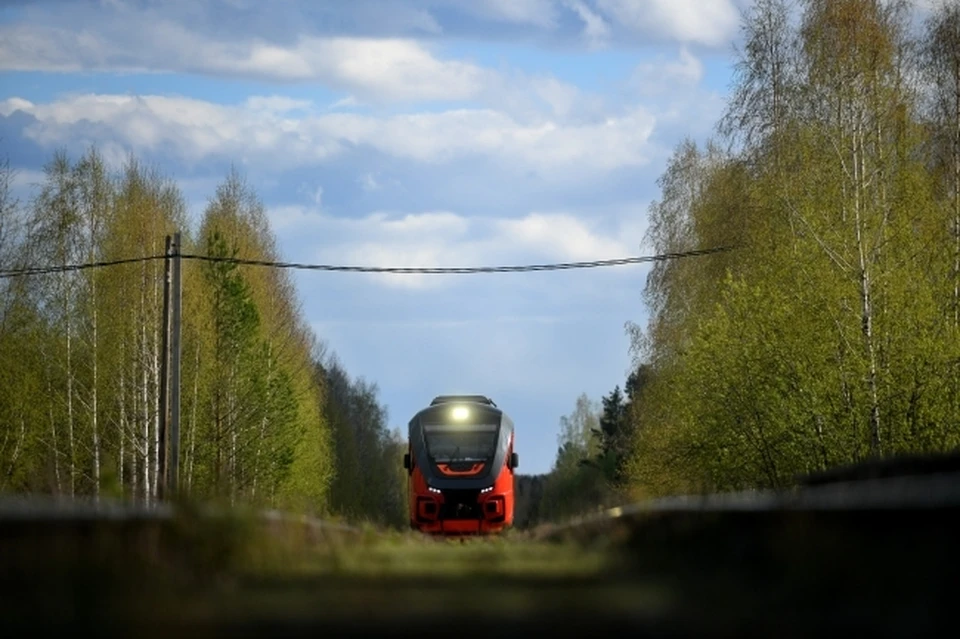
point(235, 323)
point(940, 63)
point(95, 201)
point(576, 484)
point(80, 349)
point(766, 80)
point(370, 484)
point(614, 434)
point(147, 206)
point(821, 339)
point(21, 378)
point(54, 237)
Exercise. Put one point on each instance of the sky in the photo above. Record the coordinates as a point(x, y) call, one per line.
point(403, 133)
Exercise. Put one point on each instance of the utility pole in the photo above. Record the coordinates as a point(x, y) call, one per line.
point(174, 469)
point(164, 407)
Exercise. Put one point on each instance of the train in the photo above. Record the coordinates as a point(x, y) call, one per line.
point(460, 464)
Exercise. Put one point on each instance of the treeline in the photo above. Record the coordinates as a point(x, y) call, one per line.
point(370, 484)
point(265, 419)
point(594, 448)
point(832, 332)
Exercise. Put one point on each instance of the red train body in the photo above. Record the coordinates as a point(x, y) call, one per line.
point(460, 463)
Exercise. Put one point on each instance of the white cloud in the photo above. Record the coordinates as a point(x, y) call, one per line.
point(706, 22)
point(560, 96)
point(445, 239)
point(378, 69)
point(595, 30)
point(546, 145)
point(661, 76)
point(562, 235)
point(370, 70)
point(194, 130)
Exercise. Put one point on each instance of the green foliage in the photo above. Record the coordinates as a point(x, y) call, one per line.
point(371, 483)
point(594, 444)
point(80, 351)
point(829, 335)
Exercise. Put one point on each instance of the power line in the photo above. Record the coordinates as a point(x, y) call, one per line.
point(462, 270)
point(66, 268)
point(403, 270)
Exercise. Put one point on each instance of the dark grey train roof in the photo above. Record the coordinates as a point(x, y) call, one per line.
point(477, 399)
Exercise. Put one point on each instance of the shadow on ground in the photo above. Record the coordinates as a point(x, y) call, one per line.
point(738, 573)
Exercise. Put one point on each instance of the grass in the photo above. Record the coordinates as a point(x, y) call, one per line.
point(229, 572)
point(412, 556)
point(713, 574)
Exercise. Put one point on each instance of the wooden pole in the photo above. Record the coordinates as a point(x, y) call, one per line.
point(164, 406)
point(175, 369)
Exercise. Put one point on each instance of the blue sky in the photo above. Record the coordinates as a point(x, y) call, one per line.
point(404, 133)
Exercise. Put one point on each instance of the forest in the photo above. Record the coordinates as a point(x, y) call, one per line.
point(269, 417)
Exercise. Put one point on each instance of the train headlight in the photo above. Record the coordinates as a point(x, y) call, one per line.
point(460, 413)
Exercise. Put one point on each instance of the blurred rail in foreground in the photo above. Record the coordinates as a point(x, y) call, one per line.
point(863, 551)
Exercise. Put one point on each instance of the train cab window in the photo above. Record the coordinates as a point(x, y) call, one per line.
point(461, 443)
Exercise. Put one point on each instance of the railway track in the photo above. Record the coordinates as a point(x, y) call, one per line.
point(866, 550)
point(892, 489)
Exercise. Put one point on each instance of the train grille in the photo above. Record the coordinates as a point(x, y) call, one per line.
point(460, 504)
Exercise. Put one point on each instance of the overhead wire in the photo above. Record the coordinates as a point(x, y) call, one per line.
point(462, 270)
point(65, 268)
point(401, 270)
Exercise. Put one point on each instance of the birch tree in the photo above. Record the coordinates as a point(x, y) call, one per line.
point(54, 239)
point(94, 199)
point(147, 208)
point(822, 339)
point(941, 64)
point(21, 378)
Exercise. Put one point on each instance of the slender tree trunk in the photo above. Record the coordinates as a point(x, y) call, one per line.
point(70, 441)
point(232, 426)
point(956, 195)
point(821, 442)
point(123, 428)
point(256, 463)
point(218, 386)
point(263, 425)
point(866, 300)
point(144, 397)
point(56, 448)
point(154, 442)
point(16, 449)
point(93, 401)
point(145, 446)
point(155, 370)
point(135, 451)
point(193, 417)
point(218, 439)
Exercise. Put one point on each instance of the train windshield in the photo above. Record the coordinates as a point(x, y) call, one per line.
point(461, 443)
